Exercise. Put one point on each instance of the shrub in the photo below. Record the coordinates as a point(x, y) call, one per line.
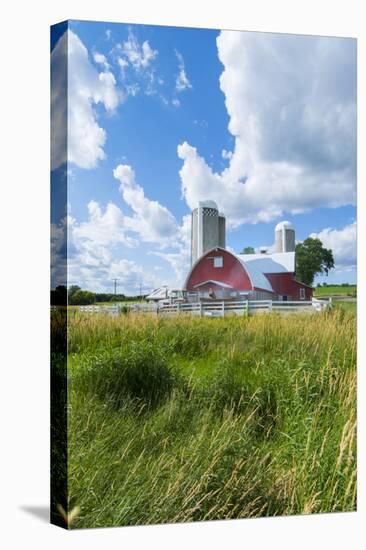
point(136, 374)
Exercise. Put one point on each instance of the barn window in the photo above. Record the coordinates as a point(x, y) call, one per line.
point(218, 261)
point(302, 293)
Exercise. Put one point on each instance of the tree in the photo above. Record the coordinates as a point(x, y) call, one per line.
point(59, 296)
point(248, 250)
point(109, 297)
point(72, 290)
point(81, 298)
point(312, 258)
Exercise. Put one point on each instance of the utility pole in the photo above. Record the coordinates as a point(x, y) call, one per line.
point(141, 289)
point(115, 285)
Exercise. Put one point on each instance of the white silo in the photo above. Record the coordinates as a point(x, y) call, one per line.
point(222, 230)
point(284, 237)
point(207, 229)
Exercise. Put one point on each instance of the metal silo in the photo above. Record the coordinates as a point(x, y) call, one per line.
point(284, 237)
point(205, 229)
point(222, 230)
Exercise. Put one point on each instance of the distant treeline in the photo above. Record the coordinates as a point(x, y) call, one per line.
point(334, 284)
point(78, 297)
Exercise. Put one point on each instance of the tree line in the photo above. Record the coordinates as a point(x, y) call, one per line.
point(76, 296)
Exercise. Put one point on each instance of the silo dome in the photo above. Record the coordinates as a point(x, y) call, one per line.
point(207, 204)
point(284, 237)
point(284, 225)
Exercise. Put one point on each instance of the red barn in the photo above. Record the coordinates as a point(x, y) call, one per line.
point(220, 274)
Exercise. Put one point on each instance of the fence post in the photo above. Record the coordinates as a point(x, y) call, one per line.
point(270, 305)
point(200, 309)
point(223, 308)
point(178, 307)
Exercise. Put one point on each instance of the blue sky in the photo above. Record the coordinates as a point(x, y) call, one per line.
point(161, 117)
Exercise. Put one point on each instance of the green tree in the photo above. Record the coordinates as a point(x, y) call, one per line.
point(81, 298)
point(312, 258)
point(71, 291)
point(248, 250)
point(59, 296)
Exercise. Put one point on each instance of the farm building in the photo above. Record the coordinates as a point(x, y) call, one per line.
point(217, 273)
point(220, 274)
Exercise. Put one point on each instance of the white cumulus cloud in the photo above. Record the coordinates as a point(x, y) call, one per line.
point(59, 258)
point(138, 55)
point(85, 88)
point(152, 221)
point(179, 262)
point(342, 242)
point(95, 246)
point(292, 113)
point(180, 258)
point(182, 81)
point(99, 277)
point(92, 247)
point(59, 103)
point(103, 228)
point(101, 60)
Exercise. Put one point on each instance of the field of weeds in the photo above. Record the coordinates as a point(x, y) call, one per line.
point(184, 419)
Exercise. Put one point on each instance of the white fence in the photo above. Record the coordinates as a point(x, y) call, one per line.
point(214, 308)
point(112, 310)
point(117, 309)
point(220, 309)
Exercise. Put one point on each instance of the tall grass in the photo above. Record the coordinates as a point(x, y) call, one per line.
point(190, 419)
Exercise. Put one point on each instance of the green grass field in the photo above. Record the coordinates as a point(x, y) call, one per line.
point(330, 290)
point(120, 302)
point(346, 306)
point(175, 420)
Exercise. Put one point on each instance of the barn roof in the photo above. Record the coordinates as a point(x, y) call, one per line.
point(279, 262)
point(256, 277)
point(158, 293)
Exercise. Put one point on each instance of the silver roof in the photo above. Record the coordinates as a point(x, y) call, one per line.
point(279, 262)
